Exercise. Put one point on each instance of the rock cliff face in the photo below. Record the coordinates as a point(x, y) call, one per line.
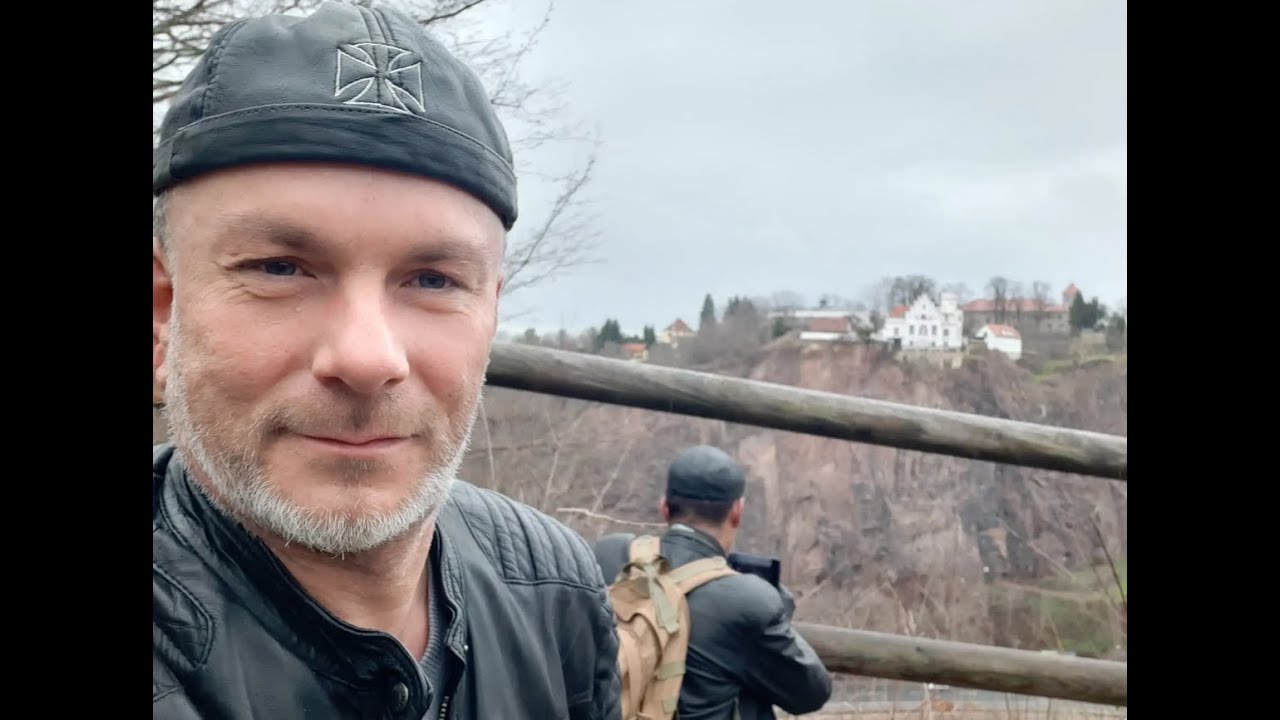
point(847, 513)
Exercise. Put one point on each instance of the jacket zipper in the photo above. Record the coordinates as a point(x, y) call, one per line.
point(444, 708)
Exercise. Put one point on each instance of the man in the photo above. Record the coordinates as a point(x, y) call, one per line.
point(333, 194)
point(743, 656)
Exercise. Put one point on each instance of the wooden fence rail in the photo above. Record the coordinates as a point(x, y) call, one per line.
point(981, 667)
point(782, 407)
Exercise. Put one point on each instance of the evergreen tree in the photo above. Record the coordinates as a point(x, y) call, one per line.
point(779, 328)
point(707, 320)
point(610, 332)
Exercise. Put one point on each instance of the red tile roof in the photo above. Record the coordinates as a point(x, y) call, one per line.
point(827, 325)
point(1004, 331)
point(678, 326)
point(898, 311)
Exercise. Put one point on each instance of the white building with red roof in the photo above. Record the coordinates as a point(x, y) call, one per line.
point(673, 333)
point(926, 325)
point(1003, 338)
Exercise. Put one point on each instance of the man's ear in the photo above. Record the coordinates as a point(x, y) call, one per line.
point(735, 513)
point(664, 510)
point(161, 311)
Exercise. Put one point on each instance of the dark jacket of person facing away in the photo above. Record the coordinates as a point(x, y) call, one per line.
point(528, 629)
point(742, 648)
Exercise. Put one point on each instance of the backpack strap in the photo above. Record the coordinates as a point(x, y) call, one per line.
point(692, 575)
point(645, 549)
point(687, 577)
point(645, 554)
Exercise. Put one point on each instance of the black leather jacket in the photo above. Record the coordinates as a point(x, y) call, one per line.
point(741, 644)
point(531, 633)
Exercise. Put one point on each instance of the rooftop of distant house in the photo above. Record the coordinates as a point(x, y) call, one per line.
point(1004, 331)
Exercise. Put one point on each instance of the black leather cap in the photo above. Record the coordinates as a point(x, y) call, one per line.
point(345, 84)
point(705, 473)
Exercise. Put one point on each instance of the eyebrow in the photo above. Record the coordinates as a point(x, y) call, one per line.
point(294, 238)
point(236, 228)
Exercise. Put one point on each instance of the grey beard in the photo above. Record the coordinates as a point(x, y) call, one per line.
point(240, 488)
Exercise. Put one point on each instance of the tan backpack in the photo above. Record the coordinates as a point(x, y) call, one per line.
point(652, 616)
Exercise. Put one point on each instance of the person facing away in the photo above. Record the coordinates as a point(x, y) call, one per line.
point(332, 197)
point(744, 657)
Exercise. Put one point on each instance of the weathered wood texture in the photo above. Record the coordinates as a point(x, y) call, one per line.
point(981, 667)
point(751, 402)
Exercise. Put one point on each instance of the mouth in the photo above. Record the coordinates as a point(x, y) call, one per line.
point(358, 443)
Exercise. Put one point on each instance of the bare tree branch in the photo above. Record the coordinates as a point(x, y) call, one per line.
point(448, 13)
point(617, 469)
point(600, 516)
point(561, 241)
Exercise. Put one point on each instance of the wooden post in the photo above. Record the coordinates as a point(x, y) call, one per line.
point(981, 667)
point(782, 407)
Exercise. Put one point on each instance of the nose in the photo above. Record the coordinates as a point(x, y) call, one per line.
point(360, 348)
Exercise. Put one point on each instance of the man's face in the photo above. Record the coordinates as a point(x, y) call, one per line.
point(322, 334)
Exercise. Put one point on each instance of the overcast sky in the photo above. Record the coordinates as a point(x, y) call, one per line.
point(752, 147)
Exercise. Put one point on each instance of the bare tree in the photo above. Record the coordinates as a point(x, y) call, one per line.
point(1040, 295)
point(1015, 301)
point(900, 290)
point(878, 296)
point(998, 289)
point(786, 301)
point(558, 238)
point(911, 287)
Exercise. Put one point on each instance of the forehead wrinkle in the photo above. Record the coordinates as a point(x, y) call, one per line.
point(240, 226)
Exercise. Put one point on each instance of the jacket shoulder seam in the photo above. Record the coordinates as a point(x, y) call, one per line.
point(544, 564)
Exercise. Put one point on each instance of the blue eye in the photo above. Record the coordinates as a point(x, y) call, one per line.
point(279, 267)
point(432, 281)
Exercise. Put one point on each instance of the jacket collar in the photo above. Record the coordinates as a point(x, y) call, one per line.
point(697, 540)
point(227, 547)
